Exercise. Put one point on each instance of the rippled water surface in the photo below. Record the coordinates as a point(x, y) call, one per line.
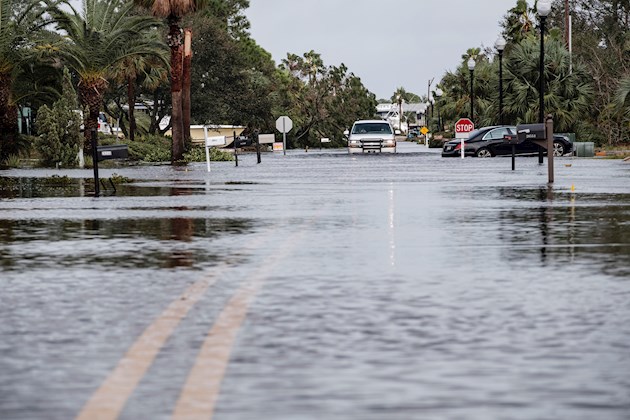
point(392, 287)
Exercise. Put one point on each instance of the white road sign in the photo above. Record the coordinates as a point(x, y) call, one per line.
point(266, 138)
point(215, 141)
point(284, 124)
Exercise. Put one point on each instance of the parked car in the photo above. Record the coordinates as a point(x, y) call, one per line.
point(103, 125)
point(561, 145)
point(371, 136)
point(493, 141)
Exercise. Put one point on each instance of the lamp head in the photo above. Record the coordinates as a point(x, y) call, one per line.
point(471, 64)
point(544, 7)
point(438, 92)
point(500, 43)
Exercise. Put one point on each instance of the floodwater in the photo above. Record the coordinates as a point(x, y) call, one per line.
point(364, 287)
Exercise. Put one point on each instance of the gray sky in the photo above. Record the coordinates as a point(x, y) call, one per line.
point(386, 43)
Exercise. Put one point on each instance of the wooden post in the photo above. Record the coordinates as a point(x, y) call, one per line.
point(549, 131)
point(186, 82)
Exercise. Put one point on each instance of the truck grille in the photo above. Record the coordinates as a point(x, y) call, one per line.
point(372, 144)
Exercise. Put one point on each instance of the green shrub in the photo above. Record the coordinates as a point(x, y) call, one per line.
point(88, 161)
point(119, 179)
point(198, 154)
point(157, 155)
point(57, 181)
point(150, 148)
point(218, 155)
point(60, 128)
point(195, 154)
point(24, 145)
point(12, 161)
point(137, 150)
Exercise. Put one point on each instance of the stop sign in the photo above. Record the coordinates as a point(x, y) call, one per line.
point(284, 124)
point(463, 128)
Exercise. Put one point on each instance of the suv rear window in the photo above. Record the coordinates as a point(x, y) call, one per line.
point(372, 128)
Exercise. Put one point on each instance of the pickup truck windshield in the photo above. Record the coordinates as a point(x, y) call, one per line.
point(372, 128)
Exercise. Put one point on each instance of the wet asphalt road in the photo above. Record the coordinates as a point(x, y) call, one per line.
point(318, 286)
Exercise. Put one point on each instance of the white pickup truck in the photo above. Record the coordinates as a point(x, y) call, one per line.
point(371, 136)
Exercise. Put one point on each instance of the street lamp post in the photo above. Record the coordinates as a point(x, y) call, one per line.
point(432, 100)
point(500, 46)
point(439, 93)
point(471, 67)
point(399, 113)
point(544, 8)
point(423, 110)
point(427, 117)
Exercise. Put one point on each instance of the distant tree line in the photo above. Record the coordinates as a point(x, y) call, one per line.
point(196, 62)
point(118, 53)
point(588, 91)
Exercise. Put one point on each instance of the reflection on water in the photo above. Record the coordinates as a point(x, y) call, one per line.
point(62, 186)
point(415, 290)
point(566, 227)
point(55, 186)
point(130, 243)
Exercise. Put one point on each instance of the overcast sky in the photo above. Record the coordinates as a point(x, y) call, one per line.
point(387, 43)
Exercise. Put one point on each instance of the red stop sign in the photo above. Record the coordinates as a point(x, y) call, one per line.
point(463, 127)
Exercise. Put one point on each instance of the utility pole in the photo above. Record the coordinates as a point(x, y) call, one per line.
point(426, 115)
point(566, 22)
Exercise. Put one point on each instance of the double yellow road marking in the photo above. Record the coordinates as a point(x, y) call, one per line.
point(109, 400)
point(200, 393)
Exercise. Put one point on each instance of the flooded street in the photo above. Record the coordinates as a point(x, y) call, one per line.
point(318, 285)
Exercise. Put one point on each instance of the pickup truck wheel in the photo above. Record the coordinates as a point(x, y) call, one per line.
point(483, 153)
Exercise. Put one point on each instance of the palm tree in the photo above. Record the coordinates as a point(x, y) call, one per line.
point(16, 25)
point(140, 69)
point(567, 92)
point(455, 101)
point(100, 36)
point(173, 11)
point(519, 22)
point(623, 95)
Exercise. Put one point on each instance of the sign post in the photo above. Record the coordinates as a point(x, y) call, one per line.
point(284, 124)
point(425, 132)
point(210, 142)
point(463, 128)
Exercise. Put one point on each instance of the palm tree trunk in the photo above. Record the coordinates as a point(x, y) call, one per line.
point(177, 49)
point(187, 82)
point(91, 95)
point(131, 101)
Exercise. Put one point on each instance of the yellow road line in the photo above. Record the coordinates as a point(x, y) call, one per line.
point(108, 401)
point(201, 391)
point(199, 395)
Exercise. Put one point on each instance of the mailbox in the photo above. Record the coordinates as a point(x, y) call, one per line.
point(243, 141)
point(531, 132)
point(117, 151)
point(511, 139)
